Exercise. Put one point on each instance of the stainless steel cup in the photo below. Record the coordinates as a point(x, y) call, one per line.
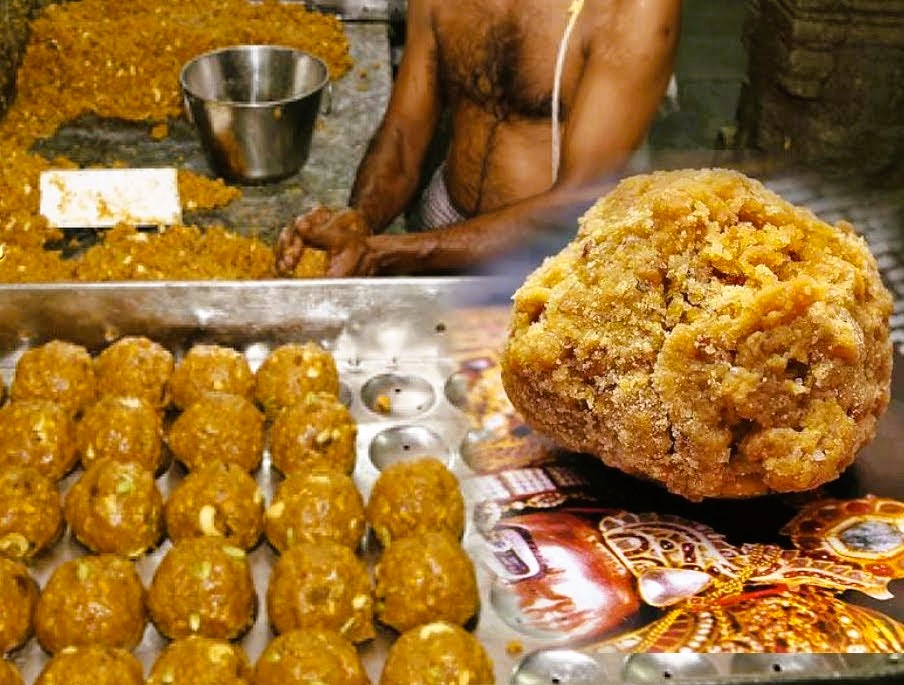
point(254, 107)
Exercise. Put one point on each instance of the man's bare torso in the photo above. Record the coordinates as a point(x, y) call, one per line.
point(496, 64)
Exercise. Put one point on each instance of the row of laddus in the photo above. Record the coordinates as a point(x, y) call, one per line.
point(203, 586)
point(316, 522)
point(319, 431)
point(67, 407)
point(135, 366)
point(117, 508)
point(432, 654)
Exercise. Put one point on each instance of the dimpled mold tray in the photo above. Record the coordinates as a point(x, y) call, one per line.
point(396, 355)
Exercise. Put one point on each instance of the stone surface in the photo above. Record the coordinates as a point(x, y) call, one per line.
point(824, 83)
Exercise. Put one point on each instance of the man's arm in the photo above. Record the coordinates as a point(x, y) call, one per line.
point(624, 79)
point(388, 175)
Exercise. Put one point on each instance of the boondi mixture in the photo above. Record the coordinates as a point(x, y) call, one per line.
point(122, 61)
point(702, 332)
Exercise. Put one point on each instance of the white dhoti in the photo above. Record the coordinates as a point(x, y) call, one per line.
point(436, 208)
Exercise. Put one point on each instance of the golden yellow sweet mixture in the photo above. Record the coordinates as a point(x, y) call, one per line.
point(57, 371)
point(317, 433)
point(415, 496)
point(39, 434)
point(92, 665)
point(292, 371)
point(312, 655)
point(203, 586)
point(437, 653)
point(316, 505)
point(9, 674)
point(218, 427)
point(31, 513)
point(321, 585)
point(218, 499)
point(199, 660)
point(423, 578)
point(210, 368)
point(177, 253)
point(703, 332)
point(115, 507)
point(135, 366)
point(91, 600)
point(121, 428)
point(18, 596)
point(123, 62)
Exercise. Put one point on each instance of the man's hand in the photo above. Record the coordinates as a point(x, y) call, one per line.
point(343, 233)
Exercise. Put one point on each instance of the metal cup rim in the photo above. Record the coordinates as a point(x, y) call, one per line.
point(245, 47)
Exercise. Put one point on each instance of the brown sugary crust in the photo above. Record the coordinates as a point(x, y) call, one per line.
point(703, 332)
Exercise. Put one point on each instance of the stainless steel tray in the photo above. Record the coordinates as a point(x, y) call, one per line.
point(390, 334)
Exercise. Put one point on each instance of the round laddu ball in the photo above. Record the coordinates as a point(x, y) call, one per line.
point(322, 585)
point(199, 660)
point(437, 654)
point(18, 597)
point(135, 366)
point(415, 496)
point(91, 600)
point(293, 370)
point(317, 433)
point(315, 506)
point(9, 674)
point(31, 514)
point(210, 368)
point(57, 371)
point(310, 656)
point(704, 333)
point(121, 428)
point(115, 507)
point(424, 578)
point(38, 433)
point(218, 427)
point(219, 499)
point(203, 586)
point(92, 665)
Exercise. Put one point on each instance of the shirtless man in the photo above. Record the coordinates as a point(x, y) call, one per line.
point(492, 64)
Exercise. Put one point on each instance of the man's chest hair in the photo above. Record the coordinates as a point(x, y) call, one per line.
point(501, 55)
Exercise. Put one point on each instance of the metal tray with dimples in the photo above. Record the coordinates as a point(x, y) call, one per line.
point(415, 341)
